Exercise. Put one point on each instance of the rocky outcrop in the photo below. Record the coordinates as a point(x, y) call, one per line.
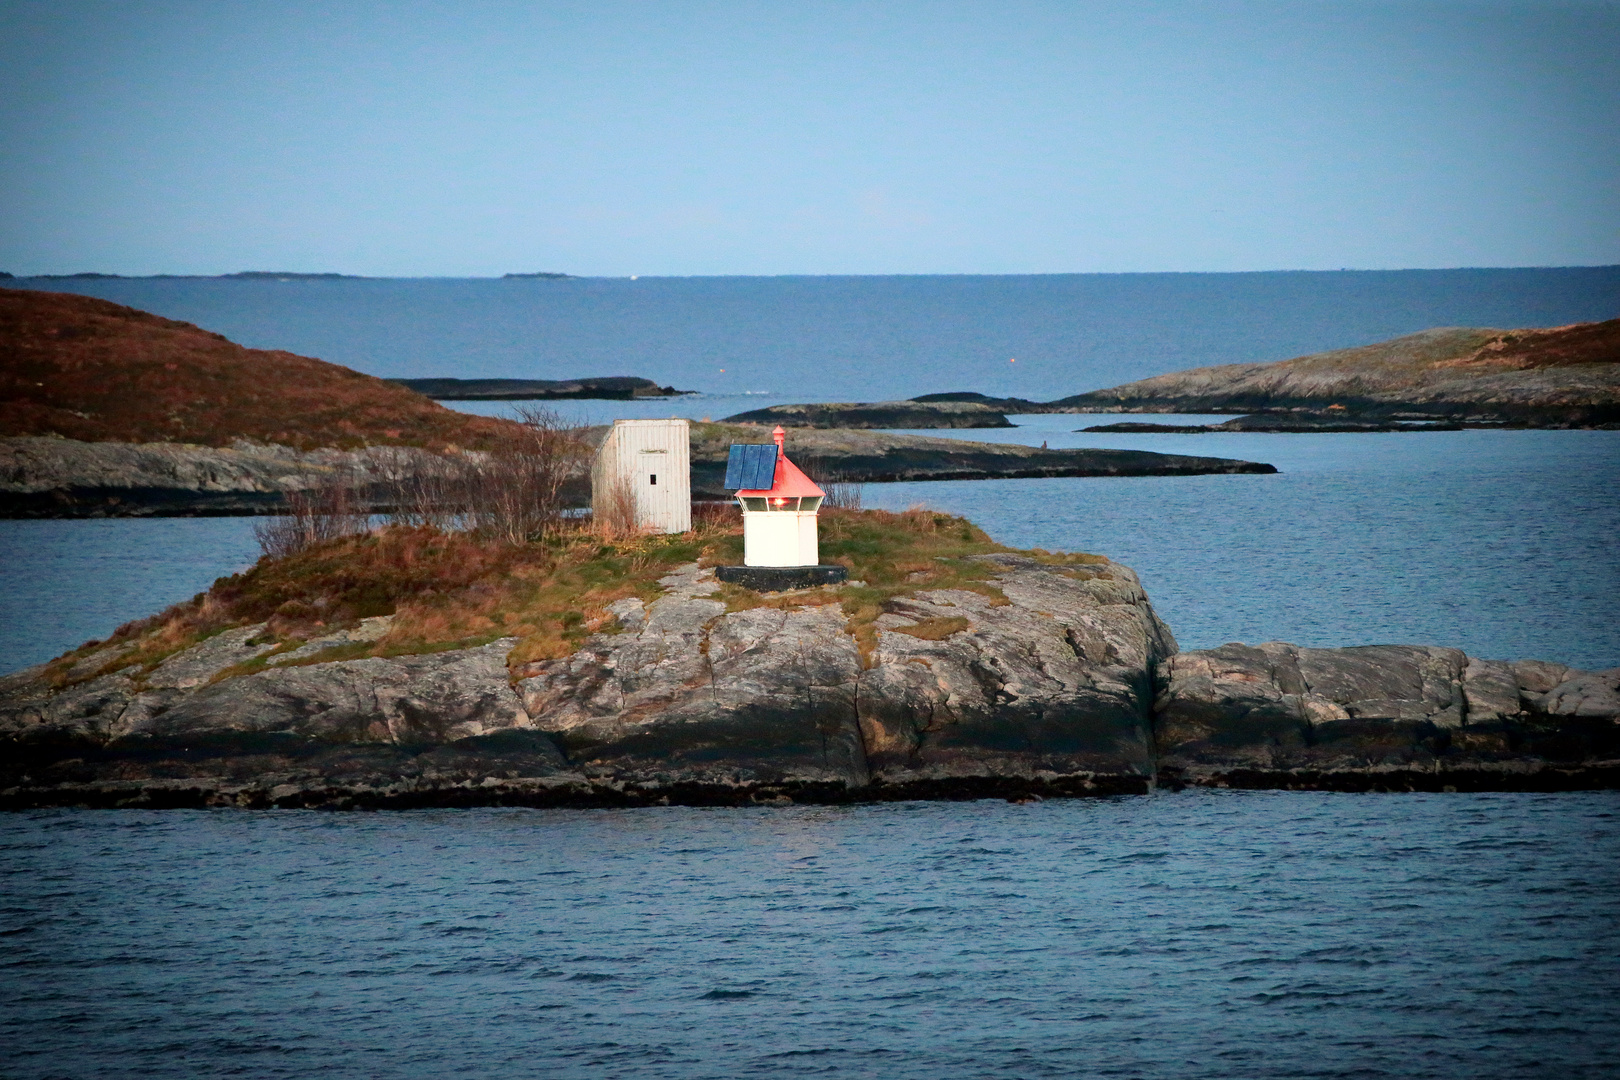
point(52, 477)
point(1041, 687)
point(605, 388)
point(1278, 422)
point(1053, 680)
point(878, 414)
point(1383, 716)
point(870, 457)
point(1566, 376)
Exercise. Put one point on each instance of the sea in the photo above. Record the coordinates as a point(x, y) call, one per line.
point(1201, 934)
point(1190, 934)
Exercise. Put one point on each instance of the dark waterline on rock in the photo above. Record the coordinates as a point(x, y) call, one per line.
point(1192, 935)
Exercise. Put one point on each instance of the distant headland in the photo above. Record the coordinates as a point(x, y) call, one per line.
point(602, 387)
point(240, 275)
point(1566, 376)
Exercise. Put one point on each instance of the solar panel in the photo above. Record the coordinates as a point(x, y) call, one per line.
point(751, 467)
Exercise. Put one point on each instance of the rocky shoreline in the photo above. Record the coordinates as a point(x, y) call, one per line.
point(1057, 680)
point(878, 414)
point(45, 477)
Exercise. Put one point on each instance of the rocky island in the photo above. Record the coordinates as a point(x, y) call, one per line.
point(602, 388)
point(409, 667)
point(878, 414)
point(1566, 376)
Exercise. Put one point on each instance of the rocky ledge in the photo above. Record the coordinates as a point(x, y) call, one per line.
point(878, 414)
point(1040, 685)
point(52, 477)
point(1054, 680)
point(876, 457)
point(1383, 717)
point(44, 476)
point(604, 388)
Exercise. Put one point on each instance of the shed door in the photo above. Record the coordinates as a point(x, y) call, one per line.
point(652, 487)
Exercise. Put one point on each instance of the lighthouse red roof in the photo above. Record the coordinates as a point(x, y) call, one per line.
point(789, 482)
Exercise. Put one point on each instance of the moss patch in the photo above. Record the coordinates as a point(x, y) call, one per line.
point(936, 629)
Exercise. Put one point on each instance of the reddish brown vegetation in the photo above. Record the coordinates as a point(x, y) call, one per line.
point(90, 369)
point(1561, 346)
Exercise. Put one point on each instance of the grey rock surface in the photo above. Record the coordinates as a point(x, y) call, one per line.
point(1055, 680)
point(197, 665)
point(42, 476)
point(1559, 376)
point(369, 630)
point(878, 414)
point(1286, 711)
point(1046, 691)
point(1054, 683)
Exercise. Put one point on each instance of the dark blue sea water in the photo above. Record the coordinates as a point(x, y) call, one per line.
point(859, 338)
point(1193, 935)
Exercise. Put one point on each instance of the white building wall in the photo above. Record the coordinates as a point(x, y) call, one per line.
point(654, 459)
point(779, 538)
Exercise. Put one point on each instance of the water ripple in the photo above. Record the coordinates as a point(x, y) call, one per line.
point(1193, 935)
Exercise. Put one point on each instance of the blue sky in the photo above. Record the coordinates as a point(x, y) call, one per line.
point(429, 139)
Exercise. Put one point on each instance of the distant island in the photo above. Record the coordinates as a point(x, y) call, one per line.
point(878, 414)
point(240, 275)
point(288, 275)
point(1567, 376)
point(603, 387)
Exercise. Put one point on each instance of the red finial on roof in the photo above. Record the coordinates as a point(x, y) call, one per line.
point(789, 482)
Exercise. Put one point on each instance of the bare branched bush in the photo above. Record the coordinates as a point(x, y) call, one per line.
point(841, 494)
point(330, 508)
point(713, 513)
point(513, 492)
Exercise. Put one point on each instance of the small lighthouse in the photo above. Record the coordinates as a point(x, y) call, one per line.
point(779, 507)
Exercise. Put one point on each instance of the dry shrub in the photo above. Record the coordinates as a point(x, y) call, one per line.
point(712, 514)
point(935, 629)
point(331, 508)
point(841, 493)
point(613, 510)
point(514, 491)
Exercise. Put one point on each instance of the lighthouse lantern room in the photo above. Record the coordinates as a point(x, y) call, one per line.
point(779, 505)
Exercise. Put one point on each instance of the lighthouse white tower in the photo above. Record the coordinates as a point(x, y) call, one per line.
point(779, 505)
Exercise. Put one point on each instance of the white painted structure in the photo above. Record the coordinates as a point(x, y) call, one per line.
point(646, 464)
point(779, 522)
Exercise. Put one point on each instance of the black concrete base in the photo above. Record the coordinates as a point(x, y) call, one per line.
point(778, 578)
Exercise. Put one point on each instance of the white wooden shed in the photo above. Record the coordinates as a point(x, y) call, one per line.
point(643, 471)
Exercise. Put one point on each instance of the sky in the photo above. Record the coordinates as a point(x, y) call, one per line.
point(615, 138)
